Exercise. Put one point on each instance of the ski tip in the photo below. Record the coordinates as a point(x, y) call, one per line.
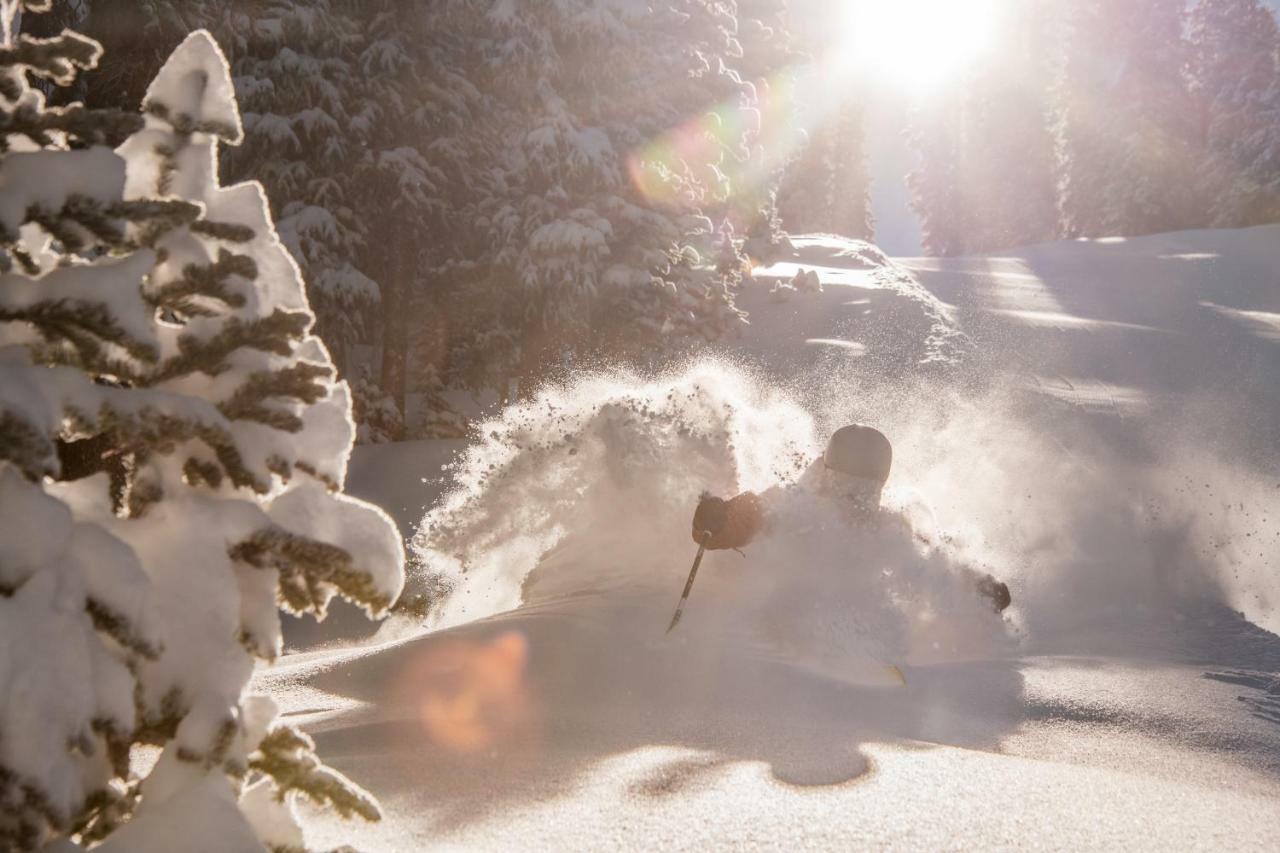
point(896, 674)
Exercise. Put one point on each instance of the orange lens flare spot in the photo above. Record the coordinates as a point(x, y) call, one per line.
point(473, 697)
point(705, 159)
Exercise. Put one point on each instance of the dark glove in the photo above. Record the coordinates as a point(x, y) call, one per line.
point(710, 517)
point(996, 592)
point(724, 525)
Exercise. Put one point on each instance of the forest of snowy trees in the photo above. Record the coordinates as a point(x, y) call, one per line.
point(460, 181)
point(456, 179)
point(1105, 117)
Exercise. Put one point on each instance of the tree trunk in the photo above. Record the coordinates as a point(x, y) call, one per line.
point(395, 332)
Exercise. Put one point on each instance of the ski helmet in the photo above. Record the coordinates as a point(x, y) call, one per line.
point(860, 451)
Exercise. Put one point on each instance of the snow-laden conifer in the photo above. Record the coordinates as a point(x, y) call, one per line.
point(827, 186)
point(985, 173)
point(308, 120)
point(610, 153)
point(1236, 71)
point(1127, 136)
point(172, 451)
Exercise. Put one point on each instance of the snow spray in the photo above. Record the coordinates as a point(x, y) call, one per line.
point(589, 487)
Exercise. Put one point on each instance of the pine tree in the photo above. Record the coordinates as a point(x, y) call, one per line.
point(821, 178)
point(355, 117)
point(395, 142)
point(307, 121)
point(1236, 71)
point(1009, 167)
point(764, 35)
point(936, 181)
point(827, 186)
point(172, 429)
point(1127, 139)
point(991, 183)
point(599, 242)
point(137, 37)
point(418, 179)
point(297, 68)
point(772, 64)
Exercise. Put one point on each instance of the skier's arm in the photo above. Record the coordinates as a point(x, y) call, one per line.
point(723, 525)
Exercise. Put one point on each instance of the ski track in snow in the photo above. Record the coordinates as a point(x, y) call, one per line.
point(1092, 422)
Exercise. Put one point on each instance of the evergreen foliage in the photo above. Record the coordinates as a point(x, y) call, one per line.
point(1127, 138)
point(1236, 72)
point(308, 121)
point(175, 430)
point(1128, 116)
point(599, 245)
point(764, 35)
point(827, 186)
point(772, 64)
point(434, 167)
point(985, 172)
point(936, 182)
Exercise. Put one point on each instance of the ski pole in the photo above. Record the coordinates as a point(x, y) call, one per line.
point(688, 585)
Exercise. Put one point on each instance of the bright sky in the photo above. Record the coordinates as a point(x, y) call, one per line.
point(913, 45)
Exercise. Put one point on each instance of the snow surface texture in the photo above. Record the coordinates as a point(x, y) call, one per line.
point(547, 710)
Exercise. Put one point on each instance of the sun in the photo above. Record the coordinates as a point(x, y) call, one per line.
point(918, 44)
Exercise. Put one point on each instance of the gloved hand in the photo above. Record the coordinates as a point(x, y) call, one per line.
point(710, 517)
point(995, 591)
point(723, 525)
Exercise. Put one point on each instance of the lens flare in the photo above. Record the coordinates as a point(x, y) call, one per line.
point(718, 159)
point(472, 697)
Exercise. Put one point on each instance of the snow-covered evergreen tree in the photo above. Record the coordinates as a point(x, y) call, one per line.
point(1009, 168)
point(596, 221)
point(435, 166)
point(1127, 138)
point(418, 180)
point(308, 120)
point(773, 65)
point(136, 38)
point(172, 451)
point(353, 118)
point(1236, 71)
point(764, 34)
point(991, 185)
point(827, 186)
point(935, 182)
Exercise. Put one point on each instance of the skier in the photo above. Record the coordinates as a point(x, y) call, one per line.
point(852, 472)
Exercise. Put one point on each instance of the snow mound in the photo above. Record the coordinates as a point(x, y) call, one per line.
point(853, 293)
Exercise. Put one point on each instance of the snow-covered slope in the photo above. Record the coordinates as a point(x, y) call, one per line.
point(1089, 421)
point(1128, 326)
